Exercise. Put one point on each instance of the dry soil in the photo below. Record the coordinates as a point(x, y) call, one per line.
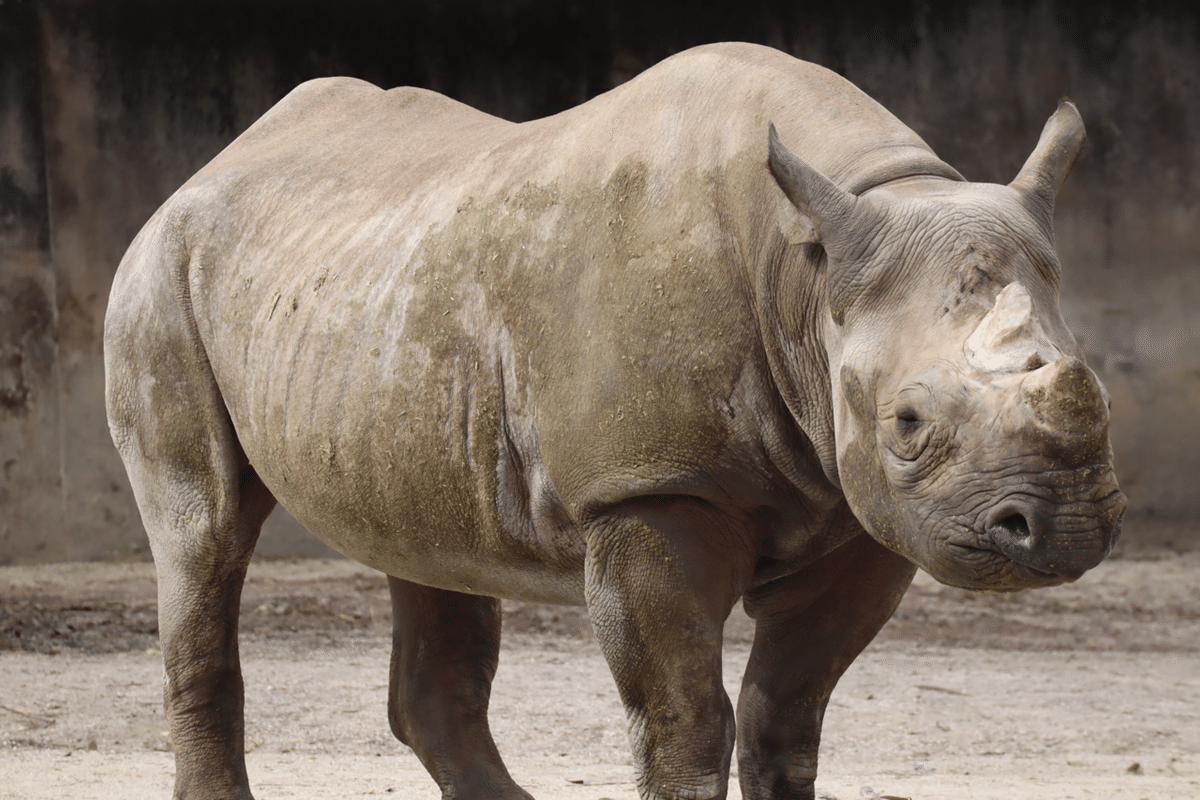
point(1082, 691)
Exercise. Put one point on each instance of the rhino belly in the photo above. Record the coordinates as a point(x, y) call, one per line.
point(429, 491)
point(408, 447)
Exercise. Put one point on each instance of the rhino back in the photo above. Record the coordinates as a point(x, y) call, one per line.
point(444, 339)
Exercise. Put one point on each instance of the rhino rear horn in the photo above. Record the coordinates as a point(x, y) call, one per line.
point(1050, 162)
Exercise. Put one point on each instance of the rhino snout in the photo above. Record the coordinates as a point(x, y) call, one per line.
point(1029, 532)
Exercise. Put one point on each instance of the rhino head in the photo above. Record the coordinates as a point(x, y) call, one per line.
point(971, 436)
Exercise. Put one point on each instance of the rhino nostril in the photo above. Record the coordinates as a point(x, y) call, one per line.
point(1012, 534)
point(1015, 525)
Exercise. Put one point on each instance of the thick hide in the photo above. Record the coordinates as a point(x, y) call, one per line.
point(728, 332)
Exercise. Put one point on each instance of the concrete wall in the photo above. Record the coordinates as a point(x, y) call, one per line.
point(106, 106)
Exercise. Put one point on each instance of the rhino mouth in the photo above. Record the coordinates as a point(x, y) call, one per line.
point(1031, 546)
point(1006, 540)
point(994, 570)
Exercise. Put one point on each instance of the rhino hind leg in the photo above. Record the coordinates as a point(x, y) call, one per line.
point(201, 503)
point(445, 649)
point(809, 628)
point(201, 570)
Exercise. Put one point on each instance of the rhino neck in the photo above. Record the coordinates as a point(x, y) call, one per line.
point(876, 168)
point(791, 303)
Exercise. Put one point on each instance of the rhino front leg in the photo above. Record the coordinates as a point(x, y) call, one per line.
point(660, 580)
point(445, 649)
point(809, 627)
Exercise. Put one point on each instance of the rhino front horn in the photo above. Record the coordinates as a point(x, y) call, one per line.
point(1010, 338)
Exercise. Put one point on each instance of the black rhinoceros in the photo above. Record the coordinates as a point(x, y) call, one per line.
point(639, 356)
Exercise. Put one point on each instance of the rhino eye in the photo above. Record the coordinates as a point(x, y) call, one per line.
point(907, 420)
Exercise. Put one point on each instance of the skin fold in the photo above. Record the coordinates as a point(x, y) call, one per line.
point(728, 332)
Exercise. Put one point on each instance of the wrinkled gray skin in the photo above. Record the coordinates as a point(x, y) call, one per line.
point(639, 356)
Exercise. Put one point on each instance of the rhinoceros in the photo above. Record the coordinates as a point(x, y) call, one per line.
point(648, 355)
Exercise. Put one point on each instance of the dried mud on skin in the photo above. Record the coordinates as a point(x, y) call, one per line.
point(1081, 691)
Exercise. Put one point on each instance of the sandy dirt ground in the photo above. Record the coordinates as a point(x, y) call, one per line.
point(1083, 691)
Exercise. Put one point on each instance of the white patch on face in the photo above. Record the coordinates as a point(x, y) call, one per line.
point(1010, 338)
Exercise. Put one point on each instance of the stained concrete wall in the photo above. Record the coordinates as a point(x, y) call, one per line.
point(106, 106)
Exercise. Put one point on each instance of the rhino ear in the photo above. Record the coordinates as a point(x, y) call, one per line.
point(838, 220)
point(825, 205)
point(1061, 142)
